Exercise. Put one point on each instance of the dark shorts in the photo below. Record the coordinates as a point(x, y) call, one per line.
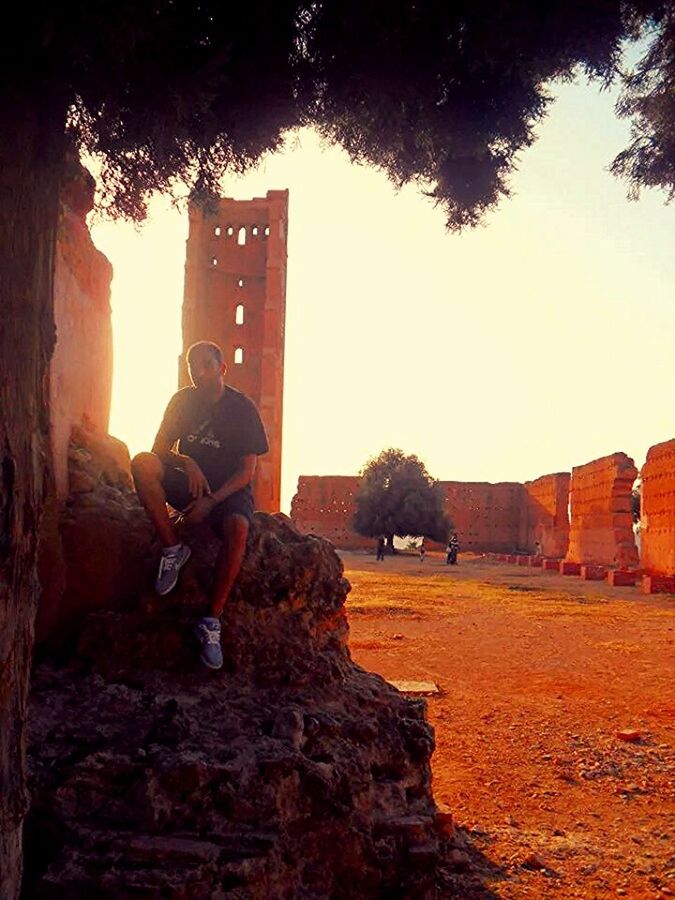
point(178, 496)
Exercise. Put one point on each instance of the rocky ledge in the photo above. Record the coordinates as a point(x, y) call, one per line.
point(290, 773)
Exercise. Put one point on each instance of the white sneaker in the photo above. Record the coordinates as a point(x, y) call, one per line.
point(170, 564)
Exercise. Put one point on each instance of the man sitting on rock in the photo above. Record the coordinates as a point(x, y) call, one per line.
point(202, 463)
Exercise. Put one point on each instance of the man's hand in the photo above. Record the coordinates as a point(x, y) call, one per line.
point(199, 510)
point(197, 483)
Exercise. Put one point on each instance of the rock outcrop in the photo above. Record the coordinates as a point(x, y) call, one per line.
point(290, 773)
point(97, 547)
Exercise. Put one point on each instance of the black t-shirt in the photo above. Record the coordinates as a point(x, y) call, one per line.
point(216, 435)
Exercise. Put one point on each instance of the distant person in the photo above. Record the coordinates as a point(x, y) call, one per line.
point(423, 551)
point(202, 463)
point(537, 548)
point(452, 550)
point(380, 549)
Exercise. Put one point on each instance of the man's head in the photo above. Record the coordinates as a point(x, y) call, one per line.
point(206, 365)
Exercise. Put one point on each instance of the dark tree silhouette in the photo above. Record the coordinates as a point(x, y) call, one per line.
point(397, 496)
point(173, 91)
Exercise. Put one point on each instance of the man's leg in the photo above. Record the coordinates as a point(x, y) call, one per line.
point(150, 478)
point(234, 532)
point(148, 471)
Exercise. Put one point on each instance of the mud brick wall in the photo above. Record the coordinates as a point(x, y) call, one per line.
point(487, 517)
point(547, 514)
point(324, 505)
point(658, 510)
point(80, 372)
point(601, 522)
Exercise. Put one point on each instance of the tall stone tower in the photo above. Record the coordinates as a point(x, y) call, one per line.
point(235, 295)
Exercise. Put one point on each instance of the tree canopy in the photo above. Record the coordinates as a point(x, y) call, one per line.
point(444, 94)
point(397, 496)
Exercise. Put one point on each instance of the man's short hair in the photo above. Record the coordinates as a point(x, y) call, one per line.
point(212, 348)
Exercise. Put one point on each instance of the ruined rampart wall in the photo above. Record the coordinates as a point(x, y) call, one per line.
point(486, 517)
point(80, 372)
point(547, 515)
point(324, 505)
point(658, 510)
point(601, 522)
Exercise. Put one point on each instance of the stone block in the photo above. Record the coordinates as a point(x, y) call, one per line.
point(522, 560)
point(569, 568)
point(593, 573)
point(550, 565)
point(658, 584)
point(535, 562)
point(621, 578)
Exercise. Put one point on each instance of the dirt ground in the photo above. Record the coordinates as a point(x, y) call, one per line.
point(537, 672)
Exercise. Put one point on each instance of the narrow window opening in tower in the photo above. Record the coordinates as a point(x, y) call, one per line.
point(230, 231)
point(239, 356)
point(239, 314)
point(254, 231)
point(216, 231)
point(240, 283)
point(267, 230)
point(214, 261)
point(241, 238)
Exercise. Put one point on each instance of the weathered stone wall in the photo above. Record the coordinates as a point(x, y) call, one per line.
point(601, 522)
point(658, 509)
point(324, 505)
point(547, 514)
point(80, 373)
point(235, 295)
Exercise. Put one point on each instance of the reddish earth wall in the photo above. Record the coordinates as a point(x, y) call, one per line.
point(324, 505)
point(601, 522)
point(80, 373)
point(547, 515)
point(502, 517)
point(486, 517)
point(658, 509)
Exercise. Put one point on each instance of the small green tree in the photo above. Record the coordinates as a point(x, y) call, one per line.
point(397, 496)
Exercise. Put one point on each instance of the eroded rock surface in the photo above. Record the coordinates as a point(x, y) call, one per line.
point(290, 773)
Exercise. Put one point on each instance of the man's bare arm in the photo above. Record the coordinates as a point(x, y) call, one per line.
point(165, 446)
point(240, 479)
point(201, 507)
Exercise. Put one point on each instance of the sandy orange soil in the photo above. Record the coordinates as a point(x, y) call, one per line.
point(538, 672)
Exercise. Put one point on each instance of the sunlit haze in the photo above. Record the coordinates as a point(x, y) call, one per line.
point(539, 341)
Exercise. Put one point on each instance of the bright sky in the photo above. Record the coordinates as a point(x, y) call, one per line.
point(542, 340)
